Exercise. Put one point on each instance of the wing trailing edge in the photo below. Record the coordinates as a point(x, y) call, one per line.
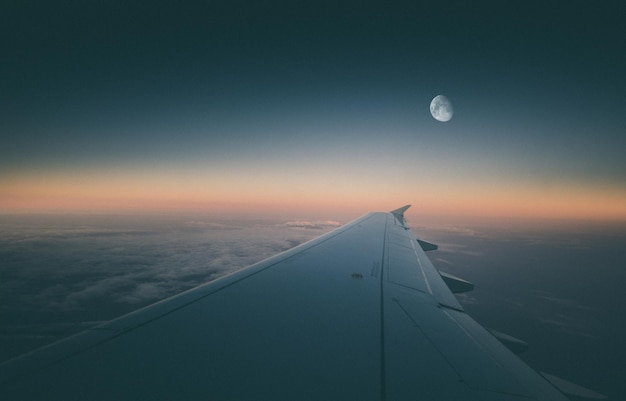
point(572, 389)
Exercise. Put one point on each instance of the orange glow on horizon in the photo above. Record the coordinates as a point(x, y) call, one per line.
point(253, 194)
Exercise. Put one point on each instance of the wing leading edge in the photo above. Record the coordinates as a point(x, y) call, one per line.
point(359, 313)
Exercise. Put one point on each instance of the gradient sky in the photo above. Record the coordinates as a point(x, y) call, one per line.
point(307, 106)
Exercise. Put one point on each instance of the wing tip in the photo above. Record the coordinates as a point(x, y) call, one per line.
point(400, 211)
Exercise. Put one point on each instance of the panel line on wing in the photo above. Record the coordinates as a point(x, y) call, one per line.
point(434, 346)
point(419, 264)
point(383, 383)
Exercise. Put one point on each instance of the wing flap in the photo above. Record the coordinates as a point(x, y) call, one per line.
point(456, 284)
point(516, 345)
point(427, 246)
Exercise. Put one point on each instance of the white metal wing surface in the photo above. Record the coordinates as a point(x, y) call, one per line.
point(357, 314)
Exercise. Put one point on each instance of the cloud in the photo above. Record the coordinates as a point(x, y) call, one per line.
point(64, 272)
point(569, 315)
point(210, 225)
point(467, 299)
point(560, 301)
point(454, 248)
point(319, 224)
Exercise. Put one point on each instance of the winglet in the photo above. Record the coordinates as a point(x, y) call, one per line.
point(399, 215)
point(400, 211)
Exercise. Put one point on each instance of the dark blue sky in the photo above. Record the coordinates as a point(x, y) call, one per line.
point(539, 94)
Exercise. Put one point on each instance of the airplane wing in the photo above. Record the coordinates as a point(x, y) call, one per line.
point(357, 314)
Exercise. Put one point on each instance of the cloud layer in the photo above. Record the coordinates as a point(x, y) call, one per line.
point(63, 272)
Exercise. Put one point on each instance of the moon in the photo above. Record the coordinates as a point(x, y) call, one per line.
point(441, 108)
